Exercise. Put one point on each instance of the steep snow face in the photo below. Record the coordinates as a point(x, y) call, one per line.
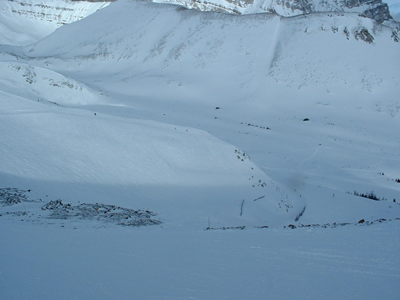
point(181, 49)
point(376, 10)
point(183, 174)
point(23, 22)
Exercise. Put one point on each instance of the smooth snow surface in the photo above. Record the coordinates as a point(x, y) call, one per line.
point(394, 6)
point(218, 126)
point(184, 174)
point(354, 262)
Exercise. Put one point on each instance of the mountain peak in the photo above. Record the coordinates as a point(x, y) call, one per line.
point(27, 21)
point(374, 9)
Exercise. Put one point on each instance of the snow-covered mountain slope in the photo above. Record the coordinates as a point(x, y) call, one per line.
point(264, 46)
point(375, 9)
point(183, 174)
point(23, 22)
point(43, 85)
point(250, 81)
point(209, 127)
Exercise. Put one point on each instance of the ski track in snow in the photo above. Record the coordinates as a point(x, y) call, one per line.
point(309, 158)
point(275, 41)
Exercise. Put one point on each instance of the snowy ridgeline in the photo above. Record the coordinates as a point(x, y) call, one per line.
point(59, 12)
point(377, 10)
point(176, 52)
point(41, 84)
point(176, 49)
point(27, 21)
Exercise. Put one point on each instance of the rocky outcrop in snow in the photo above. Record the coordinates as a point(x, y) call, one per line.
point(59, 12)
point(374, 9)
point(23, 22)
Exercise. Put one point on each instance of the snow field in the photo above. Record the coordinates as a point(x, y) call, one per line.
point(148, 162)
point(207, 120)
point(120, 263)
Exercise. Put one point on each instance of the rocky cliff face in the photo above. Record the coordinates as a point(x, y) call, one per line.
point(57, 12)
point(62, 12)
point(23, 22)
point(374, 9)
point(27, 21)
point(379, 13)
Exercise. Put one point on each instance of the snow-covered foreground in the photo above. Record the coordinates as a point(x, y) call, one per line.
point(123, 141)
point(53, 262)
